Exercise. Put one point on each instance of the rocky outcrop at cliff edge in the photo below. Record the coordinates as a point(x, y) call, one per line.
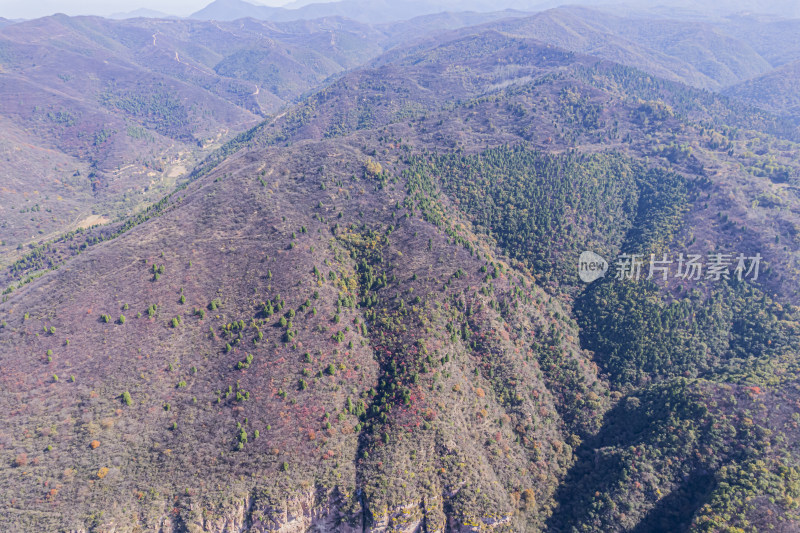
point(313, 510)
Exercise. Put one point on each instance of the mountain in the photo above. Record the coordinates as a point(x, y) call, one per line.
point(426, 26)
point(141, 13)
point(781, 8)
point(772, 37)
point(85, 149)
point(387, 11)
point(81, 142)
point(696, 53)
point(712, 53)
point(364, 314)
point(235, 9)
point(774, 91)
point(373, 12)
point(101, 117)
point(708, 50)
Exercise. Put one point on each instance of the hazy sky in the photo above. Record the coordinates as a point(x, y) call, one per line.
point(38, 8)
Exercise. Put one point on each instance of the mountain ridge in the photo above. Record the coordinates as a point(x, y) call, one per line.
point(345, 328)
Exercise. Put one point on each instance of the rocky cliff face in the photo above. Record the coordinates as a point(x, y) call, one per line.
point(322, 511)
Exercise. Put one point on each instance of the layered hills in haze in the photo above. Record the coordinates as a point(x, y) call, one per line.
point(388, 11)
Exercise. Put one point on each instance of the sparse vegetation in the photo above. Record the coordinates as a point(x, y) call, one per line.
point(402, 320)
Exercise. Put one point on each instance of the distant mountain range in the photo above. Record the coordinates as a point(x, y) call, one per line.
point(142, 13)
point(161, 94)
point(237, 72)
point(776, 90)
point(697, 53)
point(379, 11)
point(376, 11)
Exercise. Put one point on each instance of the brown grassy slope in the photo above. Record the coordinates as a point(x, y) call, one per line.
point(136, 103)
point(30, 175)
point(479, 427)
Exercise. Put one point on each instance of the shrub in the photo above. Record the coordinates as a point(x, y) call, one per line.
point(102, 472)
point(528, 499)
point(126, 397)
point(246, 363)
point(21, 460)
point(121, 319)
point(94, 444)
point(372, 167)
